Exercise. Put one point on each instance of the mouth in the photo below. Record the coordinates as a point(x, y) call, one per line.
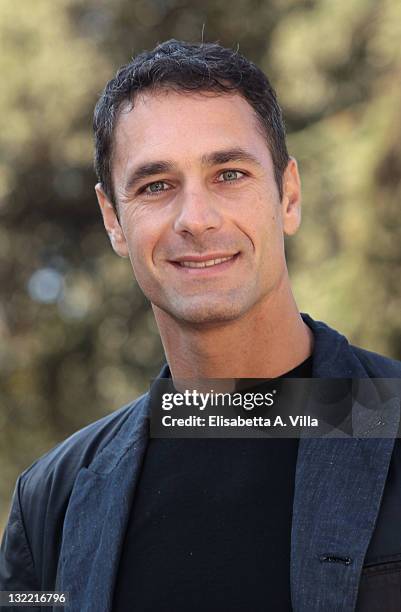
point(208, 264)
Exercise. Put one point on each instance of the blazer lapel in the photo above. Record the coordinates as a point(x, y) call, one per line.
point(97, 515)
point(338, 490)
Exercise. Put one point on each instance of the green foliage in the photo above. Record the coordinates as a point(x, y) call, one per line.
point(93, 346)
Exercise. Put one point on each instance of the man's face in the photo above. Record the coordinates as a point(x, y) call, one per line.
point(194, 183)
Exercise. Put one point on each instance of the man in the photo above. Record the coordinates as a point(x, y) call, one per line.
point(196, 187)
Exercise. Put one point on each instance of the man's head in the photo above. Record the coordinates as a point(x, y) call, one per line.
point(185, 67)
point(190, 150)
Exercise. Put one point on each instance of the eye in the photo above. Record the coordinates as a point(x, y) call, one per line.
point(229, 176)
point(156, 187)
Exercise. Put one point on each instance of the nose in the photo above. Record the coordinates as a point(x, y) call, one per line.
point(198, 213)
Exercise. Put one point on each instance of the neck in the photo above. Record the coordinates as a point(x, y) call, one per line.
point(268, 341)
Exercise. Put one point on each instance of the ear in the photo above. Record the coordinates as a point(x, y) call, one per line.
point(111, 223)
point(291, 201)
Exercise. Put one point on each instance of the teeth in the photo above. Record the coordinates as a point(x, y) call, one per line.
point(204, 264)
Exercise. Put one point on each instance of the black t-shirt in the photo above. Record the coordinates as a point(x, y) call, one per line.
point(210, 526)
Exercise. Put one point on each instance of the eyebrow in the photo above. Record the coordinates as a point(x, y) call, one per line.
point(146, 170)
point(210, 159)
point(229, 155)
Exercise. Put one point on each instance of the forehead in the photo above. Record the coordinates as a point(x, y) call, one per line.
point(184, 127)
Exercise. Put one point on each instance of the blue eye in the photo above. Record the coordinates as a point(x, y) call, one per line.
point(156, 187)
point(230, 175)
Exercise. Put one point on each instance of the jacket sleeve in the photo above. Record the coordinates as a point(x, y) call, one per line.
point(17, 572)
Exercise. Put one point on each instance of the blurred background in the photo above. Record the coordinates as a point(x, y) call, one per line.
point(77, 338)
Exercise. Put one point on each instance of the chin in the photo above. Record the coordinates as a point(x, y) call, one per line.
point(206, 314)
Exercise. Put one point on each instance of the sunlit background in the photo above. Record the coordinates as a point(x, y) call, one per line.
point(77, 338)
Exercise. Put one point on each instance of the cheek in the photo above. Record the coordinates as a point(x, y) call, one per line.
point(141, 249)
point(141, 254)
point(258, 217)
point(142, 234)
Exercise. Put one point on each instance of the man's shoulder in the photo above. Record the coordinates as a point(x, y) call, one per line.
point(63, 462)
point(43, 492)
point(376, 365)
point(335, 357)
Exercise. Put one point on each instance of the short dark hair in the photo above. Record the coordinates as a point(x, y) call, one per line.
point(187, 67)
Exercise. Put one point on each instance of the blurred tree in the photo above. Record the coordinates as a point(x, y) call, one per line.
point(342, 100)
point(77, 338)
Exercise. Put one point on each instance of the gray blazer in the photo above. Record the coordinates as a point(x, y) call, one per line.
point(70, 508)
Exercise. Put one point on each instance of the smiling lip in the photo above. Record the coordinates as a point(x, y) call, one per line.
point(202, 258)
point(205, 261)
